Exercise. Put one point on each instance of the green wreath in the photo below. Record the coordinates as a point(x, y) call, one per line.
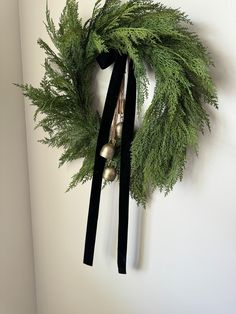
point(151, 35)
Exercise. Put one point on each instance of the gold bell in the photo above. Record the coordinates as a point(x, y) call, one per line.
point(109, 174)
point(119, 128)
point(107, 151)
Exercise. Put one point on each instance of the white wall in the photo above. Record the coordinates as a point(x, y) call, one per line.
point(182, 249)
point(17, 295)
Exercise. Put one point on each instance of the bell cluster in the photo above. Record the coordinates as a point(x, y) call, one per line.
point(108, 152)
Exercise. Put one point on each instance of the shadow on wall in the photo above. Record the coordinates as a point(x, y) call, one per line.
point(139, 232)
point(141, 254)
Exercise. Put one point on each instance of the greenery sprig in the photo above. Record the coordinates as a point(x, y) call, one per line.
point(151, 34)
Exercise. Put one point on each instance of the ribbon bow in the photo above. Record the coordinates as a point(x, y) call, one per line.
point(105, 60)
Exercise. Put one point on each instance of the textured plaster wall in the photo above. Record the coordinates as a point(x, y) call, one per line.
point(17, 294)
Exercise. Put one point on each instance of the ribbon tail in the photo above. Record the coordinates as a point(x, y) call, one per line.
point(127, 137)
point(99, 164)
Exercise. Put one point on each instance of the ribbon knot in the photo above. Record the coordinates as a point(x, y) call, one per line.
point(105, 59)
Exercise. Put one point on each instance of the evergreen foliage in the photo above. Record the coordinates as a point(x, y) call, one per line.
point(149, 33)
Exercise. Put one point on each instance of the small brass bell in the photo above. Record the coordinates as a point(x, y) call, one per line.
point(107, 151)
point(109, 174)
point(119, 128)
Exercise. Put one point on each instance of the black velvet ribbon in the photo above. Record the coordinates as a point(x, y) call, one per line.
point(105, 60)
